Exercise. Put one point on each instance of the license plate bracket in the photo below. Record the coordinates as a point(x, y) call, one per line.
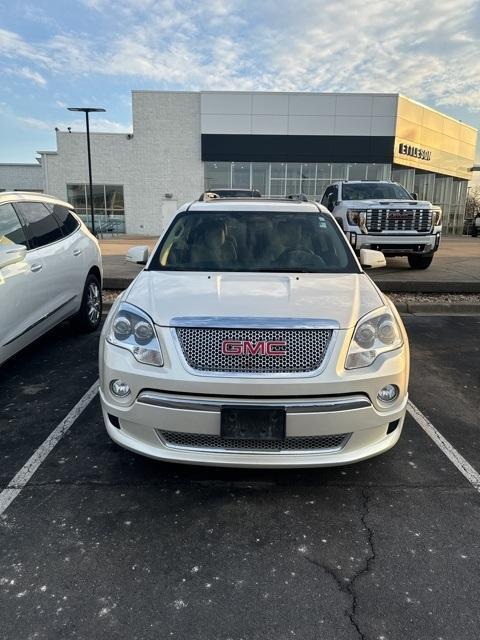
point(252, 423)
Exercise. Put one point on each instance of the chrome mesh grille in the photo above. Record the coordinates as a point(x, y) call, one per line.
point(305, 350)
point(419, 220)
point(208, 441)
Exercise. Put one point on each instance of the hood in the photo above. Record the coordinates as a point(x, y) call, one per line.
point(340, 297)
point(405, 204)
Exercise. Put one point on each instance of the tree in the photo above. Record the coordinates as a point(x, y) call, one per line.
point(472, 204)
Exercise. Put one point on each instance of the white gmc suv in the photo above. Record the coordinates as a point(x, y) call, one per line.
point(253, 337)
point(383, 216)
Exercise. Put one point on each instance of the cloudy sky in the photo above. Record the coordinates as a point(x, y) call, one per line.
point(93, 52)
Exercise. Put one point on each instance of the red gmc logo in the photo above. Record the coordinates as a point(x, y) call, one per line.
point(247, 347)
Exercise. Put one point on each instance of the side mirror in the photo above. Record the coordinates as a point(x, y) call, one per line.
point(370, 259)
point(414, 195)
point(11, 253)
point(139, 255)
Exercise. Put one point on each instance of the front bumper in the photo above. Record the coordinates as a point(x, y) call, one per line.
point(395, 245)
point(141, 428)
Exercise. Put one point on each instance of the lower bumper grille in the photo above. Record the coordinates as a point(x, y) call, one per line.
point(216, 443)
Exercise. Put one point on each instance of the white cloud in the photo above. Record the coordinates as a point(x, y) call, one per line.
point(30, 74)
point(428, 51)
point(103, 125)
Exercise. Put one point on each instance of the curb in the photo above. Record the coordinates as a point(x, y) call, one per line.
point(413, 286)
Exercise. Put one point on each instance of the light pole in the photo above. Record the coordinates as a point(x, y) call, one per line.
point(86, 111)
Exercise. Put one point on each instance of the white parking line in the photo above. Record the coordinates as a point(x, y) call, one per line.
point(18, 482)
point(449, 450)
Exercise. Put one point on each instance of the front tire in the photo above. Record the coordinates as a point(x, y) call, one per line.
point(419, 262)
point(90, 313)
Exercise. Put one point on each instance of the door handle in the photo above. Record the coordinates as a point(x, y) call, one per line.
point(36, 267)
point(77, 252)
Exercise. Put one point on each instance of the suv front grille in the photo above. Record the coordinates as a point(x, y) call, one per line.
point(419, 220)
point(214, 442)
point(303, 350)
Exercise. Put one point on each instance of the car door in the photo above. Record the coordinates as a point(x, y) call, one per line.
point(47, 257)
point(15, 286)
point(76, 251)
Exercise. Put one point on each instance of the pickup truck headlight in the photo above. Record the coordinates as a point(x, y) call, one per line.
point(374, 334)
point(357, 218)
point(436, 217)
point(132, 329)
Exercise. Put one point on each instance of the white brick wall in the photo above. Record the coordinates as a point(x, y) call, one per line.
point(21, 176)
point(164, 156)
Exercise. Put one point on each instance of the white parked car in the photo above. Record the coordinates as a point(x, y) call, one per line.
point(50, 270)
point(254, 337)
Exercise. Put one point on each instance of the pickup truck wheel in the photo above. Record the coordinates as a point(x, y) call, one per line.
point(420, 262)
point(88, 317)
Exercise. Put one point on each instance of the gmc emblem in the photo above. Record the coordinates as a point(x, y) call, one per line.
point(249, 348)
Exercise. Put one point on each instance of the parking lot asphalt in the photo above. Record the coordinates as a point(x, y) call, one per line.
point(102, 543)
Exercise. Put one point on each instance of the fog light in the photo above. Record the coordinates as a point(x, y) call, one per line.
point(119, 388)
point(388, 393)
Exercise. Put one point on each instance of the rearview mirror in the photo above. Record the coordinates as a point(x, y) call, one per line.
point(370, 259)
point(414, 195)
point(139, 255)
point(11, 253)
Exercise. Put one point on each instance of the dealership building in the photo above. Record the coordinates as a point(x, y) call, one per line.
point(183, 143)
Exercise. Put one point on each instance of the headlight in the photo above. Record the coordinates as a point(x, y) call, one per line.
point(133, 330)
point(356, 217)
point(436, 216)
point(374, 334)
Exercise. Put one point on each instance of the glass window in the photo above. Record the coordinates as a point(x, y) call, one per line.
point(42, 228)
point(293, 170)
point(339, 171)
point(277, 188)
point(308, 188)
point(357, 171)
point(114, 196)
point(76, 195)
point(261, 177)
point(424, 186)
point(68, 223)
point(270, 241)
point(240, 175)
point(324, 172)
point(293, 187)
point(278, 169)
point(218, 175)
point(11, 231)
point(309, 171)
point(378, 172)
point(405, 177)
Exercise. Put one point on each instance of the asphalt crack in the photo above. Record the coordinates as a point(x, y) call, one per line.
point(348, 586)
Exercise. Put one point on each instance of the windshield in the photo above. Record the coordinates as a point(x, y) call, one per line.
point(374, 191)
point(254, 241)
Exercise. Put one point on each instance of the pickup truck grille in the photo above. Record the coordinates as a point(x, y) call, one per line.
point(418, 220)
point(297, 350)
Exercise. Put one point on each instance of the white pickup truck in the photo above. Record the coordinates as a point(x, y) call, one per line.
point(383, 216)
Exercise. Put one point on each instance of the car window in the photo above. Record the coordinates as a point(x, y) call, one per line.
point(11, 231)
point(68, 223)
point(374, 191)
point(253, 241)
point(325, 196)
point(42, 228)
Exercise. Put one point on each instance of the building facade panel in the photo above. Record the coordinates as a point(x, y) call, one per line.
point(280, 143)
